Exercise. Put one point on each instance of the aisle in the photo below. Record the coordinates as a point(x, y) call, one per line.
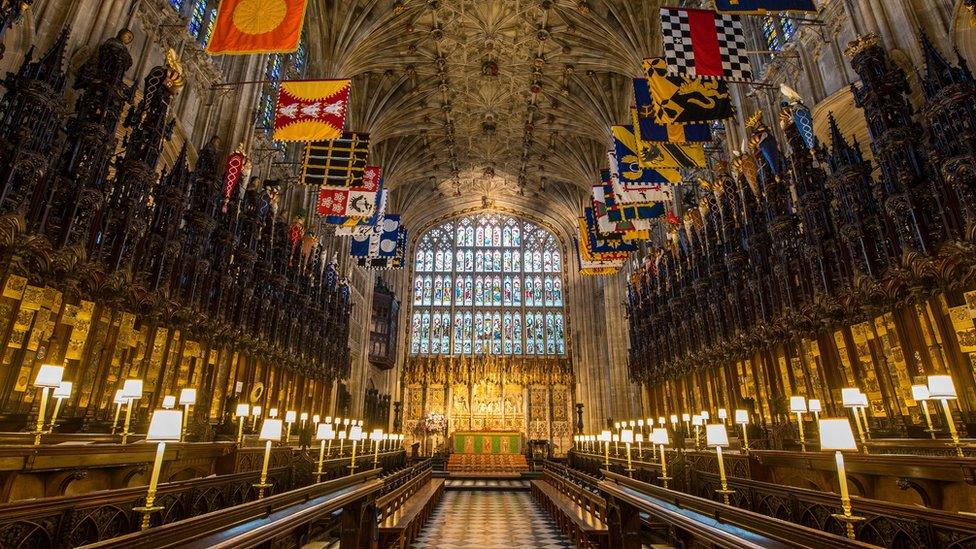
point(485, 519)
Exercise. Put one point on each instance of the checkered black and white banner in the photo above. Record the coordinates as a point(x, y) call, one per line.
point(700, 43)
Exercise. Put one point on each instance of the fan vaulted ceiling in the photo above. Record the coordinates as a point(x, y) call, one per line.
point(468, 100)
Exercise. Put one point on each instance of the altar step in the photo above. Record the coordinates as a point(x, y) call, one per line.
point(487, 464)
point(502, 484)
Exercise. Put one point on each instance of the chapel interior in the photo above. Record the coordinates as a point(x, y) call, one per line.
point(370, 274)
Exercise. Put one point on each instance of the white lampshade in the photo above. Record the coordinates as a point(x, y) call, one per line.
point(660, 421)
point(616, 425)
point(328, 419)
point(627, 436)
point(188, 396)
point(49, 375)
point(920, 392)
point(273, 413)
point(616, 438)
point(243, 410)
point(640, 422)
point(660, 436)
point(304, 416)
point(359, 423)
point(345, 421)
point(631, 423)
point(169, 402)
point(256, 411)
point(639, 438)
point(798, 404)
point(290, 416)
point(605, 436)
point(942, 387)
point(317, 419)
point(132, 389)
point(716, 435)
point(377, 434)
point(685, 417)
point(342, 435)
point(697, 420)
point(674, 419)
point(836, 434)
point(705, 415)
point(63, 390)
point(862, 400)
point(850, 396)
point(270, 430)
point(723, 413)
point(742, 417)
point(325, 432)
point(356, 433)
point(814, 405)
point(165, 426)
point(118, 398)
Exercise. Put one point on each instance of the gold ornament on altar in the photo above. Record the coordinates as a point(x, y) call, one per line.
point(861, 43)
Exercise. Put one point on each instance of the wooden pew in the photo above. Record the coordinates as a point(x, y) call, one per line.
point(285, 519)
point(403, 511)
point(701, 522)
point(579, 513)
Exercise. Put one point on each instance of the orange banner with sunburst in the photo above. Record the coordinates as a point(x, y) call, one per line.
point(257, 26)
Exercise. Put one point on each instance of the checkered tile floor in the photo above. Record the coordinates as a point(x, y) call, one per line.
point(486, 519)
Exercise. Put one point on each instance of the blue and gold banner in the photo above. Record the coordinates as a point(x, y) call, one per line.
point(628, 165)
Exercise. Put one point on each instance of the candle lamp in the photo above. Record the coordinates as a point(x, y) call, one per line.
point(164, 426)
point(639, 438)
point(48, 377)
point(355, 435)
point(660, 421)
point(256, 414)
point(674, 420)
point(851, 399)
point(290, 417)
point(243, 410)
point(316, 419)
point(61, 393)
point(188, 397)
point(324, 433)
point(303, 417)
point(942, 388)
point(742, 418)
point(273, 413)
point(118, 401)
point(813, 405)
point(169, 402)
point(697, 421)
point(270, 432)
point(605, 437)
point(627, 437)
point(342, 439)
point(836, 434)
point(131, 392)
point(659, 438)
point(687, 419)
point(920, 393)
point(723, 414)
point(376, 436)
point(640, 425)
point(717, 437)
point(798, 405)
point(863, 407)
point(705, 416)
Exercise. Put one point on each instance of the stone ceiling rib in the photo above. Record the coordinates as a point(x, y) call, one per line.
point(508, 97)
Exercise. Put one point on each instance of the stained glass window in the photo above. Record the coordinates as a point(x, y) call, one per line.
point(488, 283)
point(777, 31)
point(280, 67)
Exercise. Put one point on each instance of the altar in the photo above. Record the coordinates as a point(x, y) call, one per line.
point(487, 442)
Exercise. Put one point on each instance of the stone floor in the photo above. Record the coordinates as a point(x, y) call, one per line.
point(486, 484)
point(489, 519)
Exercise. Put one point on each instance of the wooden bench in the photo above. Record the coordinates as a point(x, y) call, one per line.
point(579, 513)
point(403, 512)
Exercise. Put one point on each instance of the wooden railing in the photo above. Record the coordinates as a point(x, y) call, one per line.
point(70, 521)
point(885, 524)
point(692, 521)
point(406, 484)
point(284, 519)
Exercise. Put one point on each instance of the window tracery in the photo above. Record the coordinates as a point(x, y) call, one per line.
point(488, 283)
